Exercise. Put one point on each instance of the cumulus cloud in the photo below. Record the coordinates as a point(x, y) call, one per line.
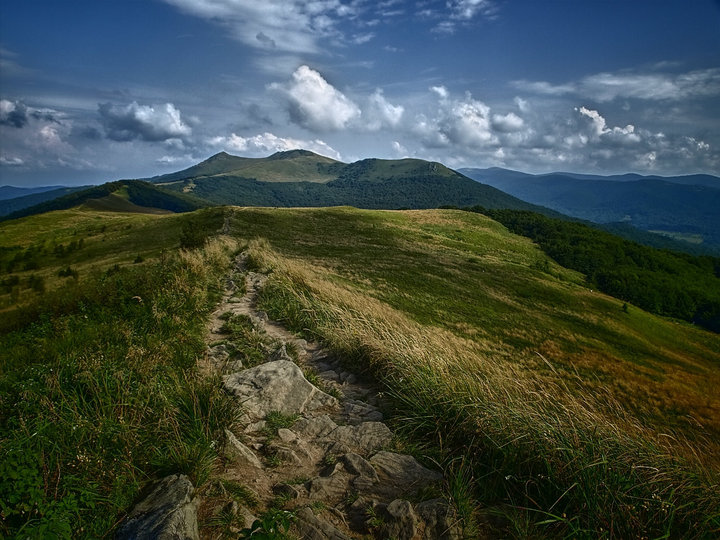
point(144, 122)
point(380, 113)
point(267, 143)
point(465, 122)
point(508, 123)
point(599, 128)
point(604, 87)
point(13, 113)
point(315, 104)
point(285, 25)
point(16, 114)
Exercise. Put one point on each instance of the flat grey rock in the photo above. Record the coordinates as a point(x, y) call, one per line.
point(315, 427)
point(276, 386)
point(403, 471)
point(363, 438)
point(169, 512)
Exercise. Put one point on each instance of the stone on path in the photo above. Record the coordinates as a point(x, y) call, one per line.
point(239, 453)
point(169, 512)
point(312, 527)
point(276, 386)
point(403, 472)
point(363, 438)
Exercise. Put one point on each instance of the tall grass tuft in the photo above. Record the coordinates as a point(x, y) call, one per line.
point(548, 459)
point(92, 379)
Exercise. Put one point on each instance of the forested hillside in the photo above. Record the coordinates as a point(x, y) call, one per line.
point(667, 283)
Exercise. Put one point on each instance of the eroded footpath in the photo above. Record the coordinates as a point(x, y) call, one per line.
point(314, 454)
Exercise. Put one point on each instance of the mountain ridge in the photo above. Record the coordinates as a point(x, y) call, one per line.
point(683, 207)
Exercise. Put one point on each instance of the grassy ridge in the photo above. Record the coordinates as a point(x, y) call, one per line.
point(99, 386)
point(135, 191)
point(560, 402)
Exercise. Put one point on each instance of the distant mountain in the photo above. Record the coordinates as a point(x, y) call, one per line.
point(12, 192)
point(15, 204)
point(302, 178)
point(683, 207)
point(119, 196)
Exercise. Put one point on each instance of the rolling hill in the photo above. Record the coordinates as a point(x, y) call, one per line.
point(684, 207)
point(120, 196)
point(302, 178)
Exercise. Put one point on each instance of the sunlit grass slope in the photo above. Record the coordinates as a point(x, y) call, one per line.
point(568, 409)
point(100, 388)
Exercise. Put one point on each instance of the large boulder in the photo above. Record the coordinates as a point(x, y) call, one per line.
point(169, 512)
point(276, 386)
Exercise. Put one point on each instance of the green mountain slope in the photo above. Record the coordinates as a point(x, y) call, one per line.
point(293, 165)
point(122, 196)
point(301, 178)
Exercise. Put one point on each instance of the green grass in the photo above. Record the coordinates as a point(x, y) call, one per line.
point(99, 387)
point(577, 418)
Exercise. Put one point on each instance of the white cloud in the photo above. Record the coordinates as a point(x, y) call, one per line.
point(522, 104)
point(399, 149)
point(616, 134)
point(441, 91)
point(508, 123)
point(460, 12)
point(359, 39)
point(284, 25)
point(11, 161)
point(655, 86)
point(380, 113)
point(315, 104)
point(145, 122)
point(466, 10)
point(465, 122)
point(268, 143)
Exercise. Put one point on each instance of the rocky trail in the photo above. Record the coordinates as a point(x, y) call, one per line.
point(317, 456)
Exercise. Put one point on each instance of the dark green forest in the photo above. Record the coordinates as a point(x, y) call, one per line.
point(664, 282)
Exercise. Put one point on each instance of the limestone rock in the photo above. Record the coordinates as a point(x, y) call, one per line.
point(316, 427)
point(276, 386)
point(355, 464)
point(312, 527)
point(363, 438)
point(400, 521)
point(169, 512)
point(329, 488)
point(403, 471)
point(238, 452)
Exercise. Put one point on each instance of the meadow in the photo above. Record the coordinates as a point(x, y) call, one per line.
point(554, 411)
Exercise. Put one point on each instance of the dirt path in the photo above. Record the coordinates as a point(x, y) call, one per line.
point(319, 451)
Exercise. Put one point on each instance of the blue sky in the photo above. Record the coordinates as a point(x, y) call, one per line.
point(95, 90)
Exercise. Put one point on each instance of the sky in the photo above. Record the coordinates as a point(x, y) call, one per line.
point(97, 90)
